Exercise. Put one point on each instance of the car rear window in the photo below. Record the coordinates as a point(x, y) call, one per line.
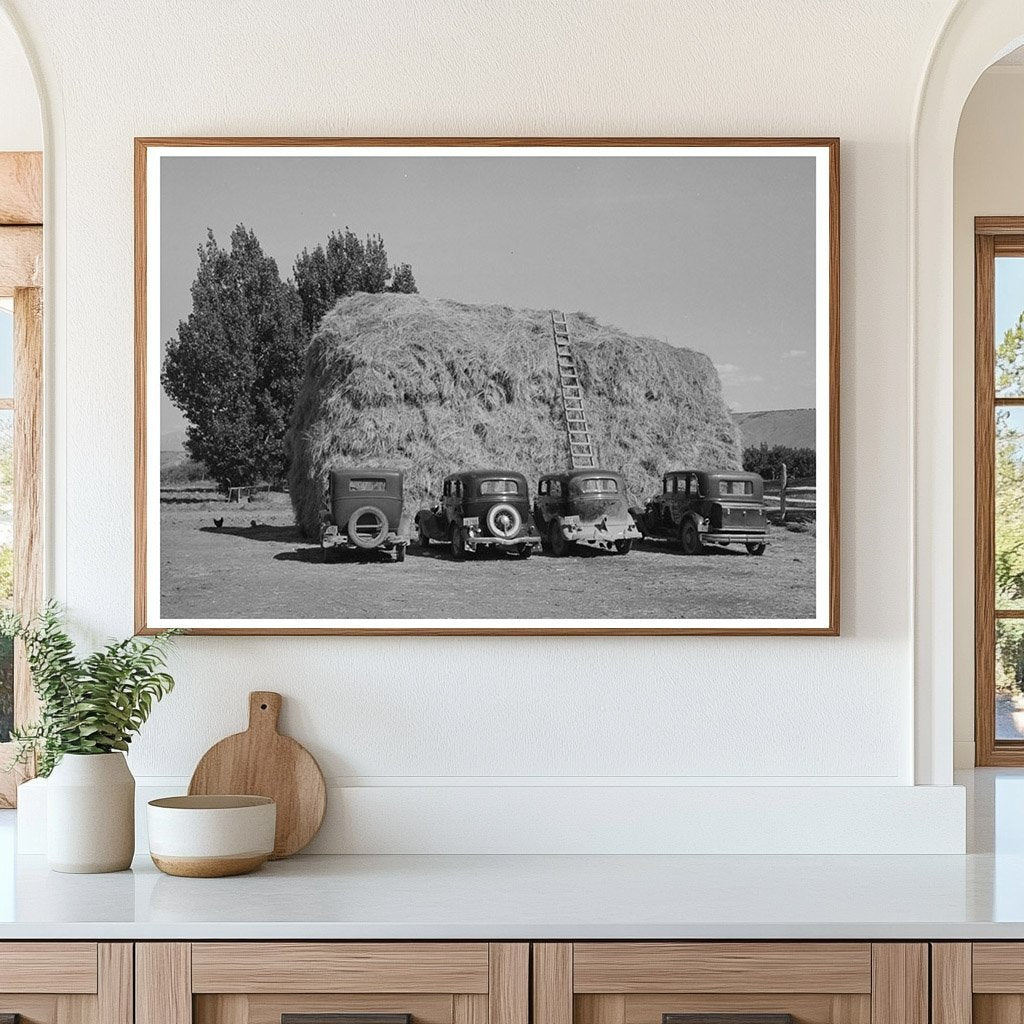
point(499, 486)
point(735, 487)
point(367, 485)
point(602, 484)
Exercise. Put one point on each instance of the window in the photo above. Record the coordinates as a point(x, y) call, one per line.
point(20, 484)
point(999, 491)
point(556, 488)
point(21, 365)
point(599, 485)
point(737, 487)
point(367, 485)
point(6, 514)
point(499, 487)
point(542, 487)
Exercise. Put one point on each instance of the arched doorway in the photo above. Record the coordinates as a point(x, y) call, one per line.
point(976, 34)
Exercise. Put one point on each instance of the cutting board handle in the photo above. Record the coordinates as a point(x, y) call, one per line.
point(264, 710)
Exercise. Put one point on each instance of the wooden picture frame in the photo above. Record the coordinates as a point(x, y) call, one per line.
point(150, 615)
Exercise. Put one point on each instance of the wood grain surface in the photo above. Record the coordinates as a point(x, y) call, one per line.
point(305, 967)
point(628, 967)
point(21, 258)
point(899, 983)
point(21, 188)
point(64, 967)
point(262, 762)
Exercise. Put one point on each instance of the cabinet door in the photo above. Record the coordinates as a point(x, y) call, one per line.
point(332, 983)
point(730, 983)
point(65, 983)
point(980, 982)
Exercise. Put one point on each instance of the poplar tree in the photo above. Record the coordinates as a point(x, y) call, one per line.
point(235, 366)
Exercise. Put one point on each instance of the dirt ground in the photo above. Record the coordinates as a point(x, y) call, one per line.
point(266, 570)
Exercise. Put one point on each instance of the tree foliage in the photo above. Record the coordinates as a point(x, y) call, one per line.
point(235, 367)
point(1009, 506)
point(343, 266)
point(90, 705)
point(800, 462)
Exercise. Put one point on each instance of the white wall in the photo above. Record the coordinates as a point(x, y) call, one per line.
point(431, 716)
point(21, 127)
point(987, 181)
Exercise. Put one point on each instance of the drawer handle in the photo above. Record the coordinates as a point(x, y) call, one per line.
point(339, 1018)
point(727, 1018)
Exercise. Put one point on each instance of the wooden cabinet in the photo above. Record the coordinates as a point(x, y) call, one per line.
point(305, 982)
point(494, 983)
point(755, 982)
point(978, 983)
point(66, 982)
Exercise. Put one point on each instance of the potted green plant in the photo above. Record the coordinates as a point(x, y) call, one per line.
point(90, 708)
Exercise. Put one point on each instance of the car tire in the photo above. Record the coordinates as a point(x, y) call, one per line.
point(545, 540)
point(623, 547)
point(419, 537)
point(689, 538)
point(400, 553)
point(559, 545)
point(755, 549)
point(524, 551)
point(457, 543)
point(367, 541)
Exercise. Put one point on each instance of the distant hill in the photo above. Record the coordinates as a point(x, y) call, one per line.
point(791, 427)
point(432, 386)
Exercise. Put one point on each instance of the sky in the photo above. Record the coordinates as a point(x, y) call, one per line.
point(1009, 294)
point(711, 253)
point(6, 353)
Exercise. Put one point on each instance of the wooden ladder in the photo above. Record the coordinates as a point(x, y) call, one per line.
point(582, 447)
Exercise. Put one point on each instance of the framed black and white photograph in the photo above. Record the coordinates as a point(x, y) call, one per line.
point(487, 386)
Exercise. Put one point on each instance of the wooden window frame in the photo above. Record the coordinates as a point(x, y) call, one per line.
point(21, 278)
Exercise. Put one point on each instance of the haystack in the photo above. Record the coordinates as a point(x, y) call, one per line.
point(432, 386)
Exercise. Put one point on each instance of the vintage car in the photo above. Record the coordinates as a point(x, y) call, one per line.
point(364, 512)
point(701, 507)
point(588, 507)
point(480, 508)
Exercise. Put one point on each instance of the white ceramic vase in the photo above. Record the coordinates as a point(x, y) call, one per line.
point(90, 814)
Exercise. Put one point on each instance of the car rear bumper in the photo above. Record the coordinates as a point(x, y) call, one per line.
point(486, 541)
point(734, 537)
point(332, 537)
point(600, 535)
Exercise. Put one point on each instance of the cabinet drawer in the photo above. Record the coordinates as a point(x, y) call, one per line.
point(730, 983)
point(65, 967)
point(66, 982)
point(332, 983)
point(634, 967)
point(340, 967)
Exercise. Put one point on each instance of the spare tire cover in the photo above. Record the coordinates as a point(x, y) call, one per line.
point(367, 527)
point(504, 521)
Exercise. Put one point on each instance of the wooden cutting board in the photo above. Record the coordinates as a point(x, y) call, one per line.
point(262, 762)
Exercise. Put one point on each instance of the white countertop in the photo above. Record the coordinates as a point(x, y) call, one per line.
point(497, 897)
point(977, 896)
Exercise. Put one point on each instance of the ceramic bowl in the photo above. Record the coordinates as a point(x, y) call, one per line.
point(211, 836)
